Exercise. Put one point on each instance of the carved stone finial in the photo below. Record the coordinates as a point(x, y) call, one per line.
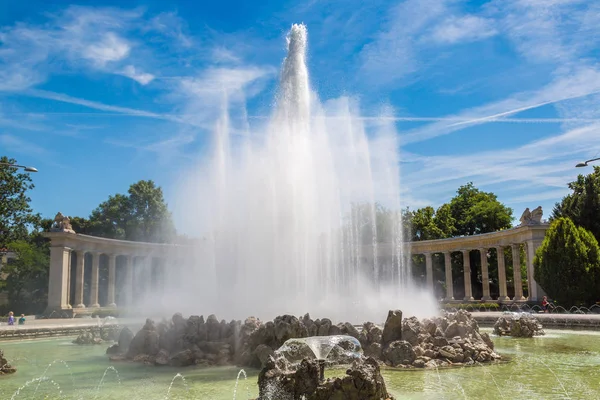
point(532, 217)
point(62, 224)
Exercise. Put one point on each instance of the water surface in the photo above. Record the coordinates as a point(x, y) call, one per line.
point(560, 365)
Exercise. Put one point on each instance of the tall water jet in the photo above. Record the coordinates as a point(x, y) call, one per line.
point(289, 214)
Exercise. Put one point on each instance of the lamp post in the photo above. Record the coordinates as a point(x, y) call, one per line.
point(28, 169)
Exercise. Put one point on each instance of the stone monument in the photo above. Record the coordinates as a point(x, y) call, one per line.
point(532, 217)
point(62, 224)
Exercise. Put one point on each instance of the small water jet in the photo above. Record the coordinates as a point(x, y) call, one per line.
point(38, 381)
point(109, 368)
point(177, 376)
point(237, 380)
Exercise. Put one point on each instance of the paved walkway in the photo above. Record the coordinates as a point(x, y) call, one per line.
point(32, 323)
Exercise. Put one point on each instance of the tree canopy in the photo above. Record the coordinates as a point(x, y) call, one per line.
point(475, 211)
point(16, 214)
point(567, 264)
point(140, 215)
point(582, 206)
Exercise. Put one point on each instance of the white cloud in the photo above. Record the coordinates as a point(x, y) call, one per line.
point(582, 82)
point(78, 38)
point(141, 77)
point(391, 56)
point(110, 48)
point(467, 28)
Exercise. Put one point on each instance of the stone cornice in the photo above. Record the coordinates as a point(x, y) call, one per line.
point(519, 234)
point(77, 241)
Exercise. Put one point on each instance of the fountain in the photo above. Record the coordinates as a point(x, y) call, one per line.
point(288, 211)
point(294, 350)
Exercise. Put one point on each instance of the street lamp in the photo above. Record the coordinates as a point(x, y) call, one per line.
point(28, 169)
point(585, 163)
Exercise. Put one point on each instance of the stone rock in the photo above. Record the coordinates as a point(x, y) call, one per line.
point(146, 341)
point(411, 327)
point(399, 352)
point(392, 329)
point(86, 338)
point(5, 367)
point(162, 358)
point(125, 338)
point(182, 359)
point(518, 325)
point(263, 352)
point(363, 381)
point(373, 350)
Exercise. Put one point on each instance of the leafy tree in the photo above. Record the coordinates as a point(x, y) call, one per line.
point(582, 206)
point(567, 264)
point(475, 211)
point(26, 276)
point(424, 226)
point(16, 214)
point(141, 215)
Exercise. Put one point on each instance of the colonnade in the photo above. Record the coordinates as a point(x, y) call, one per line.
point(530, 248)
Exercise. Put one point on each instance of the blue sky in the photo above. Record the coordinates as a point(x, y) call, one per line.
point(502, 93)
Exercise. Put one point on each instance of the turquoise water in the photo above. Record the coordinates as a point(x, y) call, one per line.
point(560, 365)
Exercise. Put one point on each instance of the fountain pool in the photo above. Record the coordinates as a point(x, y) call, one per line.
point(560, 365)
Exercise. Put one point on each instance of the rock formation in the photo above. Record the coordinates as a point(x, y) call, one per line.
point(125, 338)
point(96, 335)
point(518, 325)
point(279, 380)
point(453, 339)
point(5, 367)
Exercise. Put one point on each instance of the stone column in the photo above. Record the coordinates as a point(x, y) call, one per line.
point(112, 265)
point(532, 246)
point(128, 286)
point(467, 273)
point(485, 275)
point(501, 274)
point(429, 270)
point(79, 279)
point(448, 271)
point(95, 279)
point(58, 279)
point(516, 256)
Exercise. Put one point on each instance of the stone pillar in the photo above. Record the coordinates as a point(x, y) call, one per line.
point(429, 270)
point(112, 265)
point(58, 279)
point(448, 271)
point(532, 246)
point(516, 256)
point(501, 274)
point(95, 280)
point(485, 275)
point(79, 279)
point(128, 286)
point(467, 273)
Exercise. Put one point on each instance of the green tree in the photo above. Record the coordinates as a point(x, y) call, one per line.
point(16, 215)
point(567, 264)
point(26, 276)
point(475, 211)
point(424, 226)
point(582, 206)
point(141, 215)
